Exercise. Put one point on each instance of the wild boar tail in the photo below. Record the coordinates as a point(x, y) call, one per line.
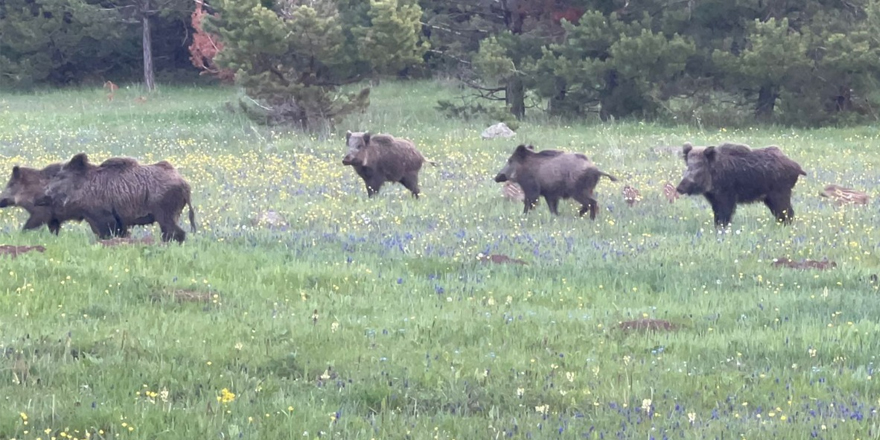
point(609, 176)
point(192, 216)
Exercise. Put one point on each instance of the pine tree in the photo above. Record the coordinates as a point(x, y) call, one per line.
point(287, 60)
point(391, 41)
point(56, 41)
point(846, 58)
point(805, 72)
point(291, 58)
point(611, 66)
point(775, 55)
point(461, 33)
point(798, 63)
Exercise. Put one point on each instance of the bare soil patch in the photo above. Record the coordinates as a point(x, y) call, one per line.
point(13, 251)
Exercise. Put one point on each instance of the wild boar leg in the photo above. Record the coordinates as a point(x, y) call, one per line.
point(723, 208)
point(780, 206)
point(104, 225)
point(34, 222)
point(553, 204)
point(411, 182)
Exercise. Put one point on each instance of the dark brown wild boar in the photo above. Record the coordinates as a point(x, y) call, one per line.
point(554, 175)
point(383, 158)
point(730, 174)
point(24, 188)
point(120, 193)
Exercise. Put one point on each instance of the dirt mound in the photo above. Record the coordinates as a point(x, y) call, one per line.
point(647, 324)
point(14, 251)
point(804, 264)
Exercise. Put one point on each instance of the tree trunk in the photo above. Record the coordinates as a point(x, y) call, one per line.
point(766, 102)
point(607, 106)
point(515, 97)
point(149, 78)
point(556, 105)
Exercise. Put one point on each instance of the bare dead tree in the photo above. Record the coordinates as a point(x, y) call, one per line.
point(142, 12)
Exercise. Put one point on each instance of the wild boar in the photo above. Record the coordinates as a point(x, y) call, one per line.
point(24, 188)
point(120, 192)
point(554, 175)
point(731, 174)
point(383, 158)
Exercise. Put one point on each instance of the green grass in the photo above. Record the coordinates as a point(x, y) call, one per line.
point(373, 319)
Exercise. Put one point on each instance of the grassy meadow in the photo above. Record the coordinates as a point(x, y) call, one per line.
point(373, 319)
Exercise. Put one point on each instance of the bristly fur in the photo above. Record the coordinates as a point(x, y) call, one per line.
point(732, 174)
point(120, 192)
point(554, 175)
point(383, 158)
point(25, 187)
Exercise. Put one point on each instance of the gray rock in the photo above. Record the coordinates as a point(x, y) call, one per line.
point(499, 130)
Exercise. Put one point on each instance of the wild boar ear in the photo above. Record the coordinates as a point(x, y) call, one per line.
point(522, 150)
point(366, 138)
point(710, 153)
point(79, 162)
point(347, 135)
point(685, 150)
point(530, 147)
point(16, 172)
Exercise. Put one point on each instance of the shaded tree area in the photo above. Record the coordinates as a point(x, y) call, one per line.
point(809, 62)
point(489, 44)
point(144, 15)
point(805, 62)
point(292, 57)
point(71, 42)
point(205, 45)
